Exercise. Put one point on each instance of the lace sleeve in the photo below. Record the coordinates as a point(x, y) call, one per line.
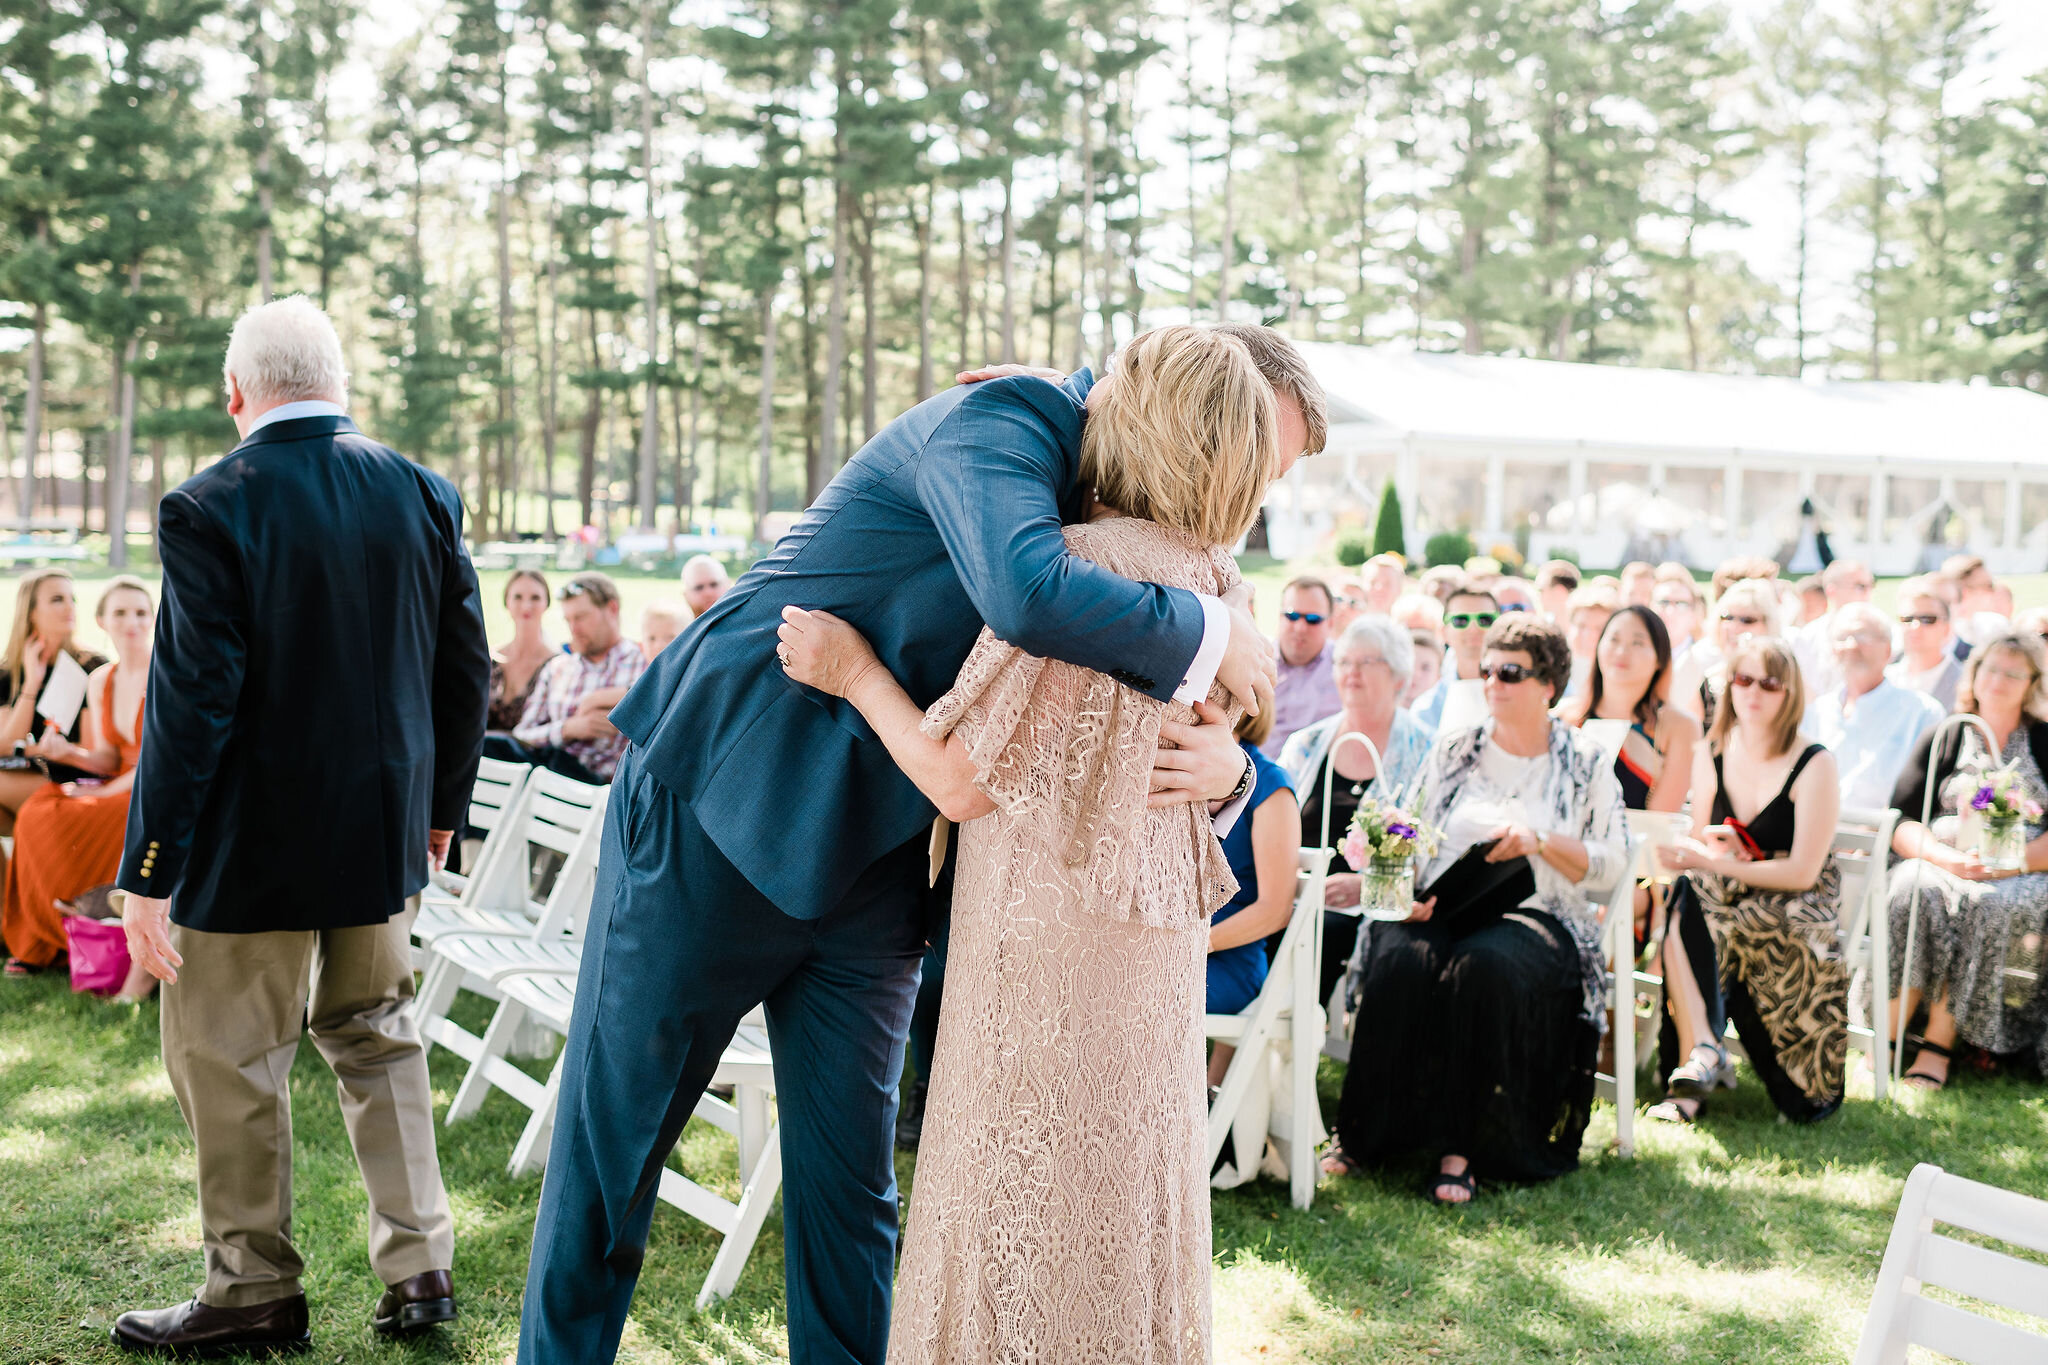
point(986, 709)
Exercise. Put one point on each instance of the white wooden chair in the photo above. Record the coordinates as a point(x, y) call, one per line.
point(1618, 929)
point(494, 803)
point(1278, 1040)
point(1918, 1257)
point(550, 812)
point(1862, 847)
point(472, 958)
point(546, 997)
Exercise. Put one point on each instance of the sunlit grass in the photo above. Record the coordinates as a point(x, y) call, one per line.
point(1743, 1240)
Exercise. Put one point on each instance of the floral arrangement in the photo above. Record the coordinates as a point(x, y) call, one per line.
point(1999, 799)
point(1384, 832)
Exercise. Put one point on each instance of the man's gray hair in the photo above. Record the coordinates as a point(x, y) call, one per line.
point(1856, 615)
point(286, 350)
point(1385, 638)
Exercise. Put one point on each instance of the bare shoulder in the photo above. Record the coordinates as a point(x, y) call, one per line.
point(1676, 727)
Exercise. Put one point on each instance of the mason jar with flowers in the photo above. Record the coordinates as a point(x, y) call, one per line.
point(2003, 812)
point(1383, 846)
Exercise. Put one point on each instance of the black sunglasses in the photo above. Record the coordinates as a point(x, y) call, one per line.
point(1507, 673)
point(1473, 618)
point(1741, 620)
point(1764, 684)
point(1921, 620)
point(1314, 618)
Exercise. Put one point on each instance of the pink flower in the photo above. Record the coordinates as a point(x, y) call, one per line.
point(1354, 849)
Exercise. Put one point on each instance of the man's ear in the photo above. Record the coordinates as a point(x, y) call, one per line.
point(237, 400)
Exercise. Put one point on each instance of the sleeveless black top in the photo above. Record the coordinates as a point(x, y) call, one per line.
point(1773, 826)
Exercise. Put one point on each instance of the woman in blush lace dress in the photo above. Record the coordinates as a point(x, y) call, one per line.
point(1061, 1205)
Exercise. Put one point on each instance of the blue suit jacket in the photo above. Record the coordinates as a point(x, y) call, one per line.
point(950, 517)
point(317, 693)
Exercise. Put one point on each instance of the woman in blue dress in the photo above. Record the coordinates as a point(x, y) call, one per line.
point(1264, 849)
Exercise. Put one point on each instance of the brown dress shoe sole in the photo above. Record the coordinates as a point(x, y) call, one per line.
point(415, 1316)
point(216, 1350)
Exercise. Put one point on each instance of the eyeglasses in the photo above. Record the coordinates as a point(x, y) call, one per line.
point(1742, 620)
point(1767, 683)
point(1314, 618)
point(1671, 603)
point(1464, 620)
point(2009, 675)
point(1347, 600)
point(1513, 606)
point(1923, 621)
point(1507, 673)
point(1347, 665)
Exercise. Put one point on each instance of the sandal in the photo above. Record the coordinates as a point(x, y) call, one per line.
point(1923, 1081)
point(1335, 1162)
point(1669, 1110)
point(1461, 1181)
point(1705, 1069)
point(16, 967)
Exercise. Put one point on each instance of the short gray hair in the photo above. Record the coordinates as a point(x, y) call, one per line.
point(286, 350)
point(1855, 614)
point(1387, 638)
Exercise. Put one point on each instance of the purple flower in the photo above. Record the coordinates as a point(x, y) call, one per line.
point(1400, 831)
point(1982, 800)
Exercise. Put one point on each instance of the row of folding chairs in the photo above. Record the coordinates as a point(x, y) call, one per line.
point(491, 933)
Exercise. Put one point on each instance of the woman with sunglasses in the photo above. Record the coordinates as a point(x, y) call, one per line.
point(1971, 916)
point(1371, 664)
point(1478, 1019)
point(1747, 607)
point(1630, 680)
point(1764, 812)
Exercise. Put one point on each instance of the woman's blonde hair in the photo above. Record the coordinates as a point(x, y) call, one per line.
point(2029, 647)
point(1255, 729)
point(119, 583)
point(1184, 432)
point(24, 607)
point(1760, 595)
point(1775, 657)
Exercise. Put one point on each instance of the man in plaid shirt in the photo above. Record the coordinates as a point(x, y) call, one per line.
point(566, 726)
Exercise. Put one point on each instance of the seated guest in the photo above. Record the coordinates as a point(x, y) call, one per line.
point(1869, 724)
point(1764, 812)
point(1371, 667)
point(1676, 600)
point(1749, 607)
point(1556, 581)
point(1638, 581)
point(1423, 618)
point(1979, 607)
point(1811, 596)
point(1479, 1018)
point(1970, 915)
point(1631, 672)
point(1347, 602)
point(2032, 621)
point(660, 624)
point(1585, 616)
point(704, 582)
point(1304, 691)
point(1386, 578)
point(1927, 663)
point(1440, 581)
point(67, 838)
point(1514, 594)
point(1264, 849)
point(45, 612)
point(1467, 616)
point(516, 664)
point(1844, 583)
point(565, 727)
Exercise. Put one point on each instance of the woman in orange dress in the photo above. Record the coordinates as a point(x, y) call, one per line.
point(67, 837)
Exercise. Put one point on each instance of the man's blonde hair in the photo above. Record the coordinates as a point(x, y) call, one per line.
point(1184, 432)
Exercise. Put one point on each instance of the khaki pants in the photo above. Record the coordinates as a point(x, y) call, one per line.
point(231, 1027)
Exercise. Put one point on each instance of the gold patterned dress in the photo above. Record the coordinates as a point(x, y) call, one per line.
point(1060, 1209)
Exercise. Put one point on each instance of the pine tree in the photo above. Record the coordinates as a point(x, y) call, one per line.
point(1389, 535)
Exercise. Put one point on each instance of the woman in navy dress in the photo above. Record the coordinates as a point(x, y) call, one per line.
point(1264, 849)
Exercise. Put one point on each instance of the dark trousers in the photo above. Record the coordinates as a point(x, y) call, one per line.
point(559, 761)
point(678, 949)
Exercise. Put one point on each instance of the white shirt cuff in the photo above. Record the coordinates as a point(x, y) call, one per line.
point(1209, 658)
point(1225, 820)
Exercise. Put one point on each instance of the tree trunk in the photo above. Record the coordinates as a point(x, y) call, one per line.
point(32, 406)
point(159, 451)
point(1087, 227)
point(266, 195)
point(1009, 337)
point(1805, 225)
point(650, 414)
point(551, 357)
point(1364, 235)
point(586, 440)
point(1229, 242)
point(924, 293)
point(764, 485)
point(966, 281)
point(827, 463)
point(869, 347)
point(120, 459)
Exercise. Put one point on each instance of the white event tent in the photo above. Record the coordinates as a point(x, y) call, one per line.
point(1618, 463)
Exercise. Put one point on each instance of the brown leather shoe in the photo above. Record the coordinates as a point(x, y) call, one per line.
point(199, 1331)
point(421, 1301)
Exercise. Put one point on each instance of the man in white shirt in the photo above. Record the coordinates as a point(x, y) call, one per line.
point(1871, 725)
point(1844, 581)
point(1467, 615)
point(1927, 661)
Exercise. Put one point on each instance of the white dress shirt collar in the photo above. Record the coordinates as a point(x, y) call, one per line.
point(289, 412)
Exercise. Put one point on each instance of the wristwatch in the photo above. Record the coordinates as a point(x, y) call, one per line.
point(1244, 784)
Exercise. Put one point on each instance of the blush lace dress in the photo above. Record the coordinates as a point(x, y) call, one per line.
point(1060, 1209)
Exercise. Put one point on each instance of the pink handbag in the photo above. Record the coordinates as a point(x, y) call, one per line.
point(99, 954)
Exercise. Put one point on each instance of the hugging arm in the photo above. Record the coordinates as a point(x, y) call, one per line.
point(819, 650)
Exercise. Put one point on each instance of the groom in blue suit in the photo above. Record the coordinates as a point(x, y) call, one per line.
point(761, 846)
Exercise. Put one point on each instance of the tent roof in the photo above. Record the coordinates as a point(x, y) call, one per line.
point(1480, 398)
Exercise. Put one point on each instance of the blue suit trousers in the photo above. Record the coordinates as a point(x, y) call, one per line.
point(679, 948)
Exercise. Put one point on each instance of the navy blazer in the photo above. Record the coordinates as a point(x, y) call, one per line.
point(316, 698)
point(948, 518)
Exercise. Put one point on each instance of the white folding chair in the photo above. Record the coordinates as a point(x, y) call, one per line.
point(1277, 1040)
point(1918, 1257)
point(494, 803)
point(1862, 847)
point(551, 813)
point(1618, 928)
point(546, 997)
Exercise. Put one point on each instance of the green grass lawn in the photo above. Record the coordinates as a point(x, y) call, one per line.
point(1744, 1240)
